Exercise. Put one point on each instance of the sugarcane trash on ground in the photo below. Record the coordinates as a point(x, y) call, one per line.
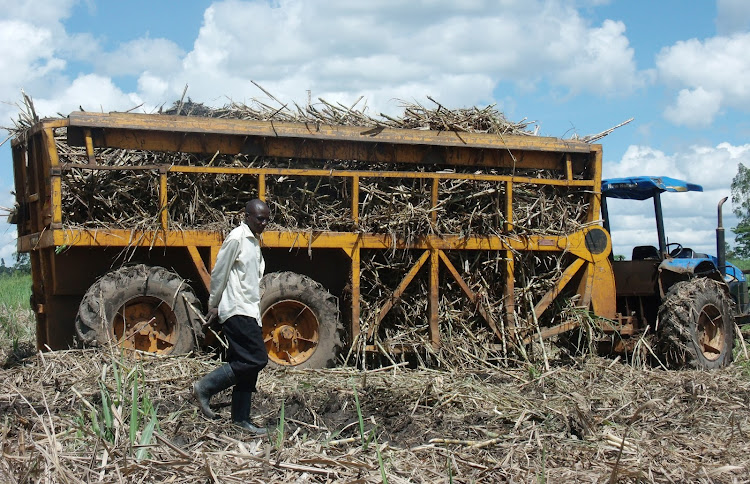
point(94, 415)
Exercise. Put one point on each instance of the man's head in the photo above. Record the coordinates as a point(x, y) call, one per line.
point(257, 215)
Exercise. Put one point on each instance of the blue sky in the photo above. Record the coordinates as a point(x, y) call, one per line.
point(576, 67)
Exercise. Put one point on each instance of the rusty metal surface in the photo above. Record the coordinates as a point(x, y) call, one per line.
point(291, 332)
point(271, 129)
point(636, 277)
point(574, 243)
point(146, 324)
point(299, 140)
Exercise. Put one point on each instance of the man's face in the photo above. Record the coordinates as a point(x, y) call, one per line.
point(257, 218)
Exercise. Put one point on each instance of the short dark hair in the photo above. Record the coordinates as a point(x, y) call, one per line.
point(255, 203)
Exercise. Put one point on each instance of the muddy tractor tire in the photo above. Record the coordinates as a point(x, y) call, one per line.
point(301, 321)
point(141, 308)
point(696, 326)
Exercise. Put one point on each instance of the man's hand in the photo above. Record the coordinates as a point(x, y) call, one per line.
point(211, 316)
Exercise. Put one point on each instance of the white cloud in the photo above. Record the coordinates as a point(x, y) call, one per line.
point(27, 54)
point(711, 167)
point(605, 64)
point(40, 12)
point(456, 51)
point(694, 108)
point(291, 46)
point(139, 55)
point(35, 50)
point(92, 92)
point(153, 88)
point(732, 16)
point(713, 72)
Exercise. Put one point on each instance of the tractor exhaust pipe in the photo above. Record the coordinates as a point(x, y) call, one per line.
point(721, 250)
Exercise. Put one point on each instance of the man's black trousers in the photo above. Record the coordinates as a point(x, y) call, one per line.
point(247, 353)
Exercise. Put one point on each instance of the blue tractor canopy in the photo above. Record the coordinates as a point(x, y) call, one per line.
point(645, 187)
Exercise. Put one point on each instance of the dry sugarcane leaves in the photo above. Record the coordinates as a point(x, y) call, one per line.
point(591, 422)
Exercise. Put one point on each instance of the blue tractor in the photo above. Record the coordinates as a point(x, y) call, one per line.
point(690, 301)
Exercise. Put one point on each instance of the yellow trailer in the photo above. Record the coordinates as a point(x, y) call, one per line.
point(87, 288)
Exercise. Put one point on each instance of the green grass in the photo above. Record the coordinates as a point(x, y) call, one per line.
point(741, 263)
point(15, 290)
point(120, 395)
point(17, 324)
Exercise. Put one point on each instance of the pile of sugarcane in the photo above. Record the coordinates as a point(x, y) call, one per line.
point(396, 206)
point(399, 207)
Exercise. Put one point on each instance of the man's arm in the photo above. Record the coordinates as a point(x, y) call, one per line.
point(220, 273)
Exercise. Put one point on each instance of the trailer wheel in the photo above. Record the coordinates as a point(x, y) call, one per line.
point(696, 325)
point(301, 323)
point(141, 308)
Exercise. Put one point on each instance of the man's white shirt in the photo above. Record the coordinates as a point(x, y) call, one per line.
point(235, 279)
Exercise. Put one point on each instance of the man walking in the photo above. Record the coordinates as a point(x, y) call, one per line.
point(235, 298)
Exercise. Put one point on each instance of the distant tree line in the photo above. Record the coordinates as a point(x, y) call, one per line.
point(741, 208)
point(21, 266)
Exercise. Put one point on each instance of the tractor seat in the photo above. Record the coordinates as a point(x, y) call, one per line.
point(645, 252)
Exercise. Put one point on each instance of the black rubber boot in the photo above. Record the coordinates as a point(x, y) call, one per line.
point(211, 384)
point(241, 412)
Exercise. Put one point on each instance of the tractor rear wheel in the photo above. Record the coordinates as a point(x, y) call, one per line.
point(140, 308)
point(696, 327)
point(301, 323)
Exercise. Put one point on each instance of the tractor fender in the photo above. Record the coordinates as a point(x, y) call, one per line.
point(672, 271)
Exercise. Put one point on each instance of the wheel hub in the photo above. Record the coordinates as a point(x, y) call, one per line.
point(290, 332)
point(710, 332)
point(285, 332)
point(145, 324)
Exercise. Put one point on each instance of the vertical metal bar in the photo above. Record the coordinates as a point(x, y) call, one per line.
point(509, 206)
point(163, 209)
point(568, 167)
point(42, 297)
point(605, 220)
point(596, 177)
point(262, 186)
point(89, 145)
point(22, 194)
point(434, 298)
point(721, 245)
point(434, 200)
point(509, 301)
point(37, 297)
point(38, 167)
point(55, 179)
point(605, 214)
point(660, 224)
point(355, 200)
point(355, 328)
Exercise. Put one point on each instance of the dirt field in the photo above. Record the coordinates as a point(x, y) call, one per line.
point(93, 416)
